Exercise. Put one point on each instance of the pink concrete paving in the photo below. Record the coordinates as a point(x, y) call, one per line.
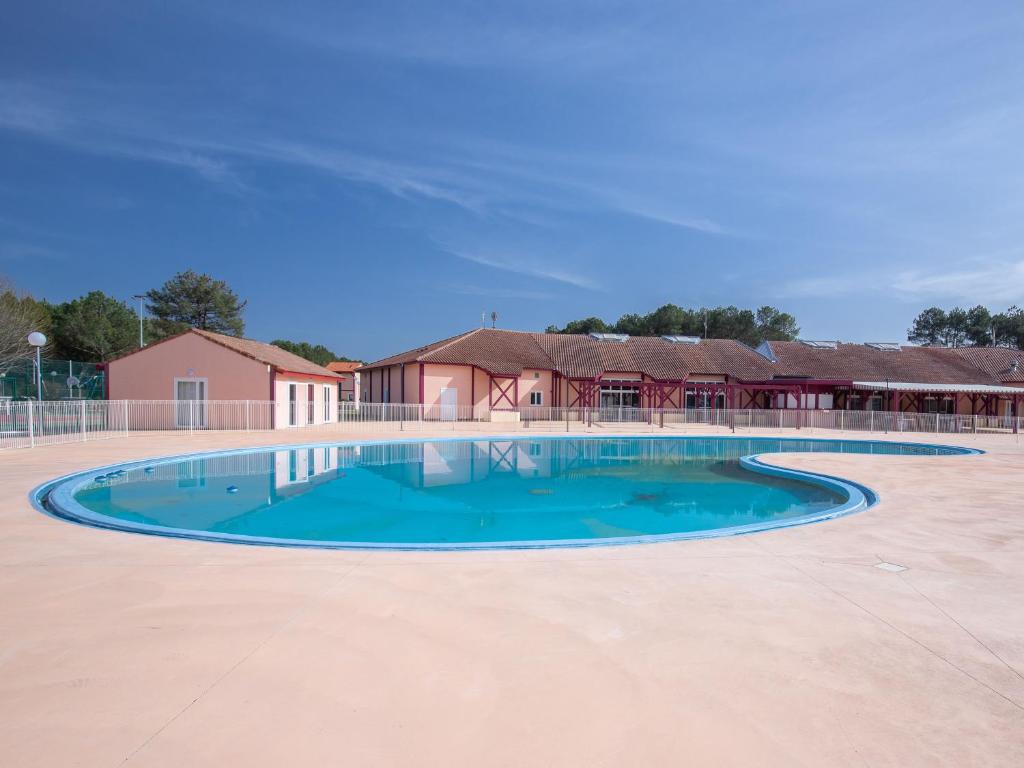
point(775, 649)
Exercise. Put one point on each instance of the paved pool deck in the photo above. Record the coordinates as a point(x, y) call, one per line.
point(783, 648)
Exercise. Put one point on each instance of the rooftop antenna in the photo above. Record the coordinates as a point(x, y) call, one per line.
point(483, 319)
point(494, 319)
point(705, 323)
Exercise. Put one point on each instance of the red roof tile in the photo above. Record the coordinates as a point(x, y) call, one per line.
point(260, 351)
point(507, 353)
point(997, 362)
point(343, 366)
point(859, 362)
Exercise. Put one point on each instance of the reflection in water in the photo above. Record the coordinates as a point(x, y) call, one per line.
point(474, 491)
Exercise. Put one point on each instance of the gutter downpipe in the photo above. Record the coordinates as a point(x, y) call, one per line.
point(273, 396)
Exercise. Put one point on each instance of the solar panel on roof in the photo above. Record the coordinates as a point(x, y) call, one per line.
point(682, 339)
point(820, 344)
point(884, 346)
point(618, 337)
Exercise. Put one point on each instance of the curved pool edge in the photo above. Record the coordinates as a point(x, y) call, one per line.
point(859, 497)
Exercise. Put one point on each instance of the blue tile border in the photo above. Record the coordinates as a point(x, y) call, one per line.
point(55, 498)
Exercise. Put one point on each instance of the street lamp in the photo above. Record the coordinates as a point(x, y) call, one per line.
point(38, 340)
point(140, 297)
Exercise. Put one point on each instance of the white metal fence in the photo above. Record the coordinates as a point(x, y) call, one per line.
point(26, 424)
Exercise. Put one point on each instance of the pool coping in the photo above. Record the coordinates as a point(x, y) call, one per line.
point(59, 493)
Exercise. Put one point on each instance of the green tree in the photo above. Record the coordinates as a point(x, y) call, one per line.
point(956, 327)
point(722, 323)
point(587, 325)
point(633, 324)
point(773, 325)
point(979, 327)
point(668, 320)
point(1008, 328)
point(316, 353)
point(930, 327)
point(191, 300)
point(733, 323)
point(95, 327)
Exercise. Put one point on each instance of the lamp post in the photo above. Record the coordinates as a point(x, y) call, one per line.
point(38, 340)
point(140, 297)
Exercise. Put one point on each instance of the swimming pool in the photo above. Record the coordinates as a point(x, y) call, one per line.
point(462, 493)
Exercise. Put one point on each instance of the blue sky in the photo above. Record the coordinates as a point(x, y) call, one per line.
point(848, 162)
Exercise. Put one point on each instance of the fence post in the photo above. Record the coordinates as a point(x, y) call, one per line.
point(191, 414)
point(842, 419)
point(248, 406)
point(871, 421)
point(31, 425)
point(125, 418)
point(83, 421)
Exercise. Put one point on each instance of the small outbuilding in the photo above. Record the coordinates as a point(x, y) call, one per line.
point(348, 387)
point(197, 367)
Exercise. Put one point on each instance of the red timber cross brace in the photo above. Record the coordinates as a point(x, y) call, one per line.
point(507, 392)
point(580, 392)
point(662, 394)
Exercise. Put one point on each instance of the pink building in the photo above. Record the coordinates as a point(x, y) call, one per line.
point(202, 366)
point(497, 370)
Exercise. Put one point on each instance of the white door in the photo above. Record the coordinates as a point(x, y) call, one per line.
point(449, 402)
point(191, 406)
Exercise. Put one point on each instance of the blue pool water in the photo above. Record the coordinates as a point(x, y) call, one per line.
point(471, 492)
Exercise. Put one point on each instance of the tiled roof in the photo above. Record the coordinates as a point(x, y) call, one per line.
point(417, 354)
point(343, 366)
point(997, 362)
point(507, 353)
point(279, 358)
point(580, 356)
point(859, 362)
point(260, 351)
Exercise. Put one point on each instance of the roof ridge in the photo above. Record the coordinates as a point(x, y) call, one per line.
point(449, 342)
point(224, 340)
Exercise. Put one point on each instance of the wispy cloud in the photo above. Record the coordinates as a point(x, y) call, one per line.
point(986, 282)
point(15, 251)
point(484, 178)
point(401, 180)
point(575, 181)
point(655, 213)
point(496, 292)
point(580, 38)
point(989, 280)
point(524, 265)
point(88, 127)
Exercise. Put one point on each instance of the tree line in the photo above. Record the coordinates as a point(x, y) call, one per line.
point(97, 327)
point(749, 326)
point(975, 327)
